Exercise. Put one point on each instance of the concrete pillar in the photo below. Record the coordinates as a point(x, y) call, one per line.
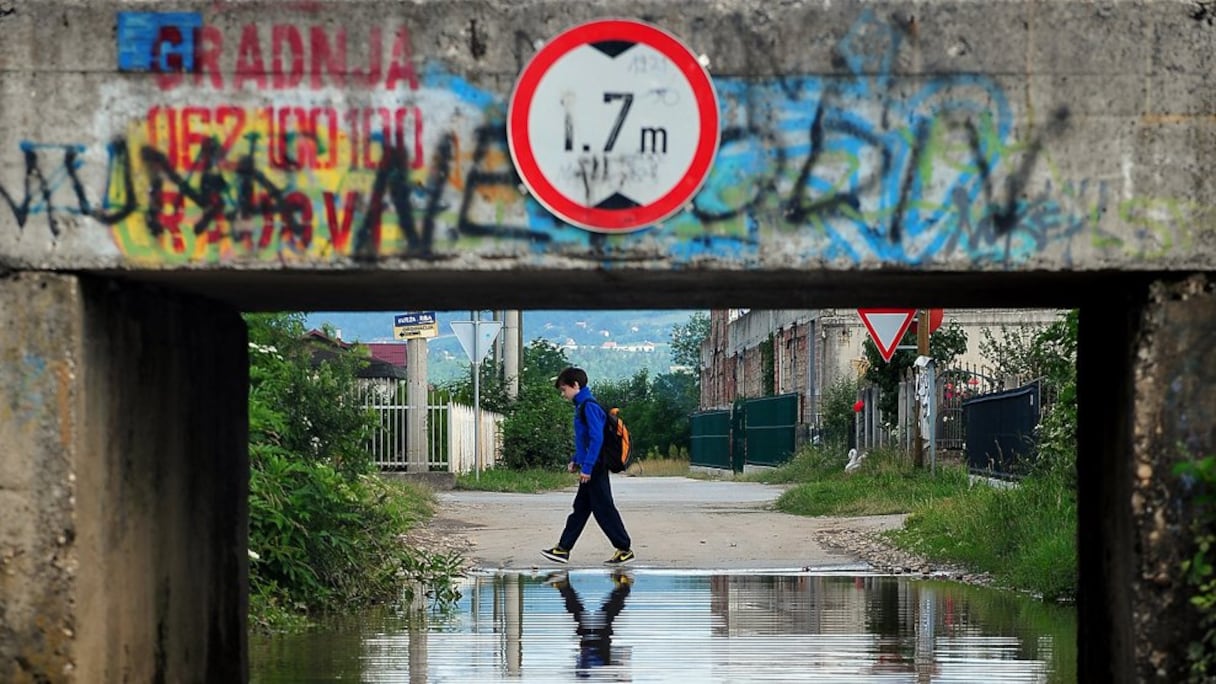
point(124, 484)
point(417, 441)
point(1146, 368)
point(512, 352)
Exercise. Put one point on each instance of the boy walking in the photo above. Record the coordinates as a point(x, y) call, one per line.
point(594, 495)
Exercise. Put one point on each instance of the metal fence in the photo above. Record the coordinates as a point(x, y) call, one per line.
point(1001, 441)
point(762, 431)
point(449, 431)
point(711, 439)
point(1001, 430)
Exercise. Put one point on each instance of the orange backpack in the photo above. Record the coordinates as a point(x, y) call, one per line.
point(617, 451)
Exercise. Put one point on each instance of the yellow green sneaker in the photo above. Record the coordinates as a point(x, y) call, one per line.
point(621, 557)
point(556, 554)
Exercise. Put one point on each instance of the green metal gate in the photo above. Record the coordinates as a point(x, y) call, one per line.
point(756, 431)
point(770, 430)
point(711, 439)
point(738, 428)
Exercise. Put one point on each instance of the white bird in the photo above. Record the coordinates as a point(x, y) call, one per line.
point(854, 461)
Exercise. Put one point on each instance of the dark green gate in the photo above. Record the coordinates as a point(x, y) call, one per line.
point(756, 431)
point(771, 429)
point(711, 439)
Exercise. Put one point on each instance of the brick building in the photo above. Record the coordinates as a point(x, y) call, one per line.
point(758, 353)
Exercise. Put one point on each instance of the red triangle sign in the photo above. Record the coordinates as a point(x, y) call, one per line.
point(887, 327)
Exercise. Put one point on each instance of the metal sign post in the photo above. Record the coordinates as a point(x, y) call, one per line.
point(476, 338)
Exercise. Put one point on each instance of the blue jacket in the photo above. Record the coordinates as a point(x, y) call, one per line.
point(588, 433)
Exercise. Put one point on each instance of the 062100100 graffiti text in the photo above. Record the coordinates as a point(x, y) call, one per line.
point(295, 138)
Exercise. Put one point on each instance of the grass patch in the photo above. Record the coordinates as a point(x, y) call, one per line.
point(1024, 536)
point(886, 483)
point(536, 480)
point(530, 481)
point(661, 467)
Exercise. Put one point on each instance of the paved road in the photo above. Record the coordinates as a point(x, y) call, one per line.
point(676, 522)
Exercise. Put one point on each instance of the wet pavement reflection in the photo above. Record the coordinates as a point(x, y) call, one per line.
point(668, 626)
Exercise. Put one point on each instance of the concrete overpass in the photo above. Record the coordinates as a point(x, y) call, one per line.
point(164, 168)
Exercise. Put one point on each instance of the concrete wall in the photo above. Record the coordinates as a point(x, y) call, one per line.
point(41, 358)
point(898, 153)
point(1175, 420)
point(123, 484)
point(856, 136)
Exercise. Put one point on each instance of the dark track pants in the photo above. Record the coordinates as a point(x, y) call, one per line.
point(594, 497)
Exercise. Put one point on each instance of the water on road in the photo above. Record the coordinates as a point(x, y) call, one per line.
point(655, 625)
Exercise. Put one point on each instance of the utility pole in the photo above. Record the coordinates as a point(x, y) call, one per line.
point(417, 444)
point(511, 352)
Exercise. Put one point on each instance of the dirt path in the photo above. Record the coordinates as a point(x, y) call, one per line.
point(675, 522)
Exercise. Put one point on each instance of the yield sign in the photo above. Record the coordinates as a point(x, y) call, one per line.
point(887, 327)
point(476, 337)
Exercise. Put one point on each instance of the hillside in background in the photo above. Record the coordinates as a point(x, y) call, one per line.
point(587, 330)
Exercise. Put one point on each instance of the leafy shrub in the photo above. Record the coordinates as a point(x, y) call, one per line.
point(1199, 476)
point(538, 431)
point(323, 531)
point(837, 415)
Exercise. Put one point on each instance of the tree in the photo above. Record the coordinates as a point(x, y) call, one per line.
point(836, 408)
point(537, 428)
point(686, 341)
point(1048, 355)
point(657, 411)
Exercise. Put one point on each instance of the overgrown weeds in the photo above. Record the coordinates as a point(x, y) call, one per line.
point(1198, 476)
point(1024, 535)
point(325, 532)
point(885, 483)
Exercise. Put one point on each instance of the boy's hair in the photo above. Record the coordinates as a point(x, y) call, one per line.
point(570, 376)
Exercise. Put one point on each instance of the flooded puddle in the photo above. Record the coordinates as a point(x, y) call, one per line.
point(668, 626)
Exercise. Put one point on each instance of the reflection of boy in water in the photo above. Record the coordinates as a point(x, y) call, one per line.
point(594, 628)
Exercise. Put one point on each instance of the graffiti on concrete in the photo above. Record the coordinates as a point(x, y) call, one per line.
point(282, 57)
point(39, 189)
point(374, 161)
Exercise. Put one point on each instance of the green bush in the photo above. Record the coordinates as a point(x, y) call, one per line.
point(1198, 476)
point(324, 531)
point(538, 431)
point(836, 413)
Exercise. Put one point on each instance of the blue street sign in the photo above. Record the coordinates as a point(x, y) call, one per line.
point(416, 318)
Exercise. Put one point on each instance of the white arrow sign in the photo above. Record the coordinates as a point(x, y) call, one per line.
point(476, 337)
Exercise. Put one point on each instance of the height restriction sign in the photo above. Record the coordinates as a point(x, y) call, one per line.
point(613, 125)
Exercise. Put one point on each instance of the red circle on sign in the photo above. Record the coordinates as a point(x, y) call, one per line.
point(613, 220)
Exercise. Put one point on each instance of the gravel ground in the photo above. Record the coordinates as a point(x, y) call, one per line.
point(676, 523)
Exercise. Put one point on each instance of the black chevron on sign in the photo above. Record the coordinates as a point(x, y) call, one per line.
point(613, 48)
point(617, 201)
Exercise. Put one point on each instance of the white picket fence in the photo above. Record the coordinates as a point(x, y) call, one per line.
point(449, 432)
point(462, 436)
